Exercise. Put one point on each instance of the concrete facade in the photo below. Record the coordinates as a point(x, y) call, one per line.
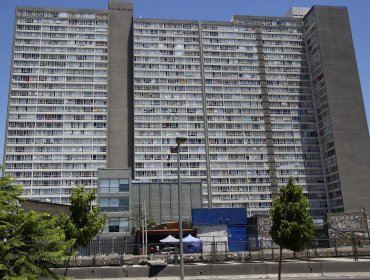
point(120, 134)
point(56, 121)
point(161, 200)
point(124, 200)
point(297, 12)
point(260, 99)
point(114, 196)
point(240, 92)
point(341, 119)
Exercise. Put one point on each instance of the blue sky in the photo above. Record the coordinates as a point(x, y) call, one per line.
point(191, 9)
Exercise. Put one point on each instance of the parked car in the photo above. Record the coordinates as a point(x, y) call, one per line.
point(170, 250)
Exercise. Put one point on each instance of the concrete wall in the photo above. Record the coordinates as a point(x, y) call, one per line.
point(161, 200)
point(266, 270)
point(209, 234)
point(120, 149)
point(350, 131)
point(42, 206)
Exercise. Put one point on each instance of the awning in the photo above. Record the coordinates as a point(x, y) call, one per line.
point(170, 239)
point(191, 239)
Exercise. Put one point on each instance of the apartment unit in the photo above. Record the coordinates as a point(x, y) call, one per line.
point(259, 99)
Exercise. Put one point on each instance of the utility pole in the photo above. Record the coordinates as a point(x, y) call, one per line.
point(142, 228)
point(146, 230)
point(179, 141)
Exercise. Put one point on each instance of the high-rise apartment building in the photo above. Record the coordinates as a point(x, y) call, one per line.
point(57, 108)
point(259, 99)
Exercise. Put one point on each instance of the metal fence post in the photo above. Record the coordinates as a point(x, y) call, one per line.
point(308, 248)
point(261, 252)
point(213, 251)
point(354, 247)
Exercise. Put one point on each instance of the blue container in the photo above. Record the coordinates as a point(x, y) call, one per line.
point(237, 237)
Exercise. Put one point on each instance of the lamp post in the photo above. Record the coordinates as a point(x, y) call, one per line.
point(179, 141)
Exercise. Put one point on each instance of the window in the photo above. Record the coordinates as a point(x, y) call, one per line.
point(104, 186)
point(114, 225)
point(114, 204)
point(113, 185)
point(123, 185)
point(117, 225)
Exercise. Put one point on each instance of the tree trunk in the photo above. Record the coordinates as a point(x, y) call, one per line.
point(280, 260)
point(67, 264)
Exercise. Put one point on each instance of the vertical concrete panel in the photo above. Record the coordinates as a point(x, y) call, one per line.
point(174, 199)
point(155, 199)
point(161, 200)
point(185, 201)
point(135, 199)
point(144, 197)
point(351, 136)
point(165, 211)
point(120, 86)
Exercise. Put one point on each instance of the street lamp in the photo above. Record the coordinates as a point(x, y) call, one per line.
point(179, 141)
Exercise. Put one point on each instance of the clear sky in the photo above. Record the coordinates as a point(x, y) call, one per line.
point(191, 9)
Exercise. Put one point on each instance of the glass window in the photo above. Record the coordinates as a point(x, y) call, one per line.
point(123, 225)
point(114, 185)
point(124, 203)
point(113, 225)
point(104, 202)
point(117, 225)
point(104, 186)
point(123, 185)
point(114, 202)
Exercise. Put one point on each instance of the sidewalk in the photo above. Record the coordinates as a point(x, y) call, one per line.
point(318, 268)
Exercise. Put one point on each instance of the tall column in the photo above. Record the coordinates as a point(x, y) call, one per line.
point(345, 143)
point(120, 132)
point(266, 114)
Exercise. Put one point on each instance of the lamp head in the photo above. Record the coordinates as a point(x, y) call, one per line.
point(180, 140)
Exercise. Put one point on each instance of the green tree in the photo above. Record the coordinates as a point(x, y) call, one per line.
point(31, 243)
point(85, 221)
point(292, 223)
point(151, 223)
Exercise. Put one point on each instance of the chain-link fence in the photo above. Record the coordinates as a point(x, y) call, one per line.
point(220, 251)
point(109, 246)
